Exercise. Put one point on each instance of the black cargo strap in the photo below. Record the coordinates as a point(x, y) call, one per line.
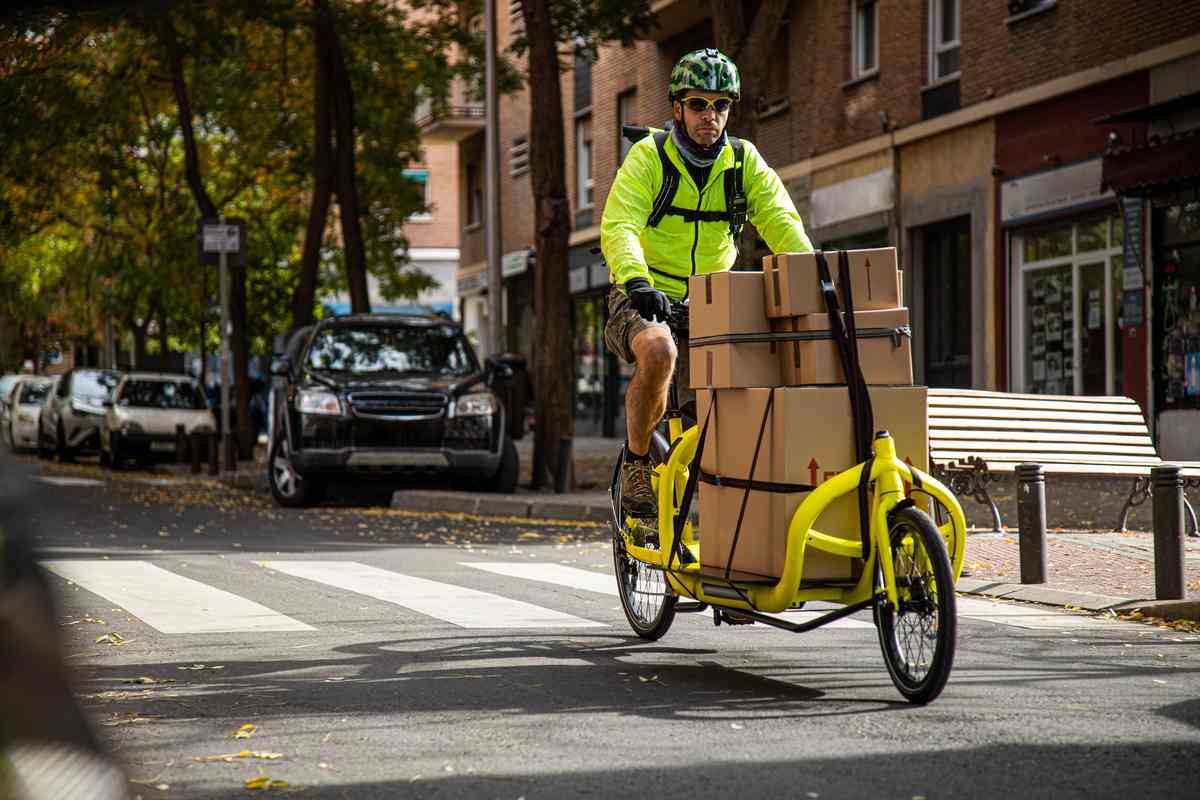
point(736, 206)
point(755, 486)
point(861, 414)
point(897, 334)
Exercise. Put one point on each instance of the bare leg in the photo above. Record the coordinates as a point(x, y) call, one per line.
point(646, 397)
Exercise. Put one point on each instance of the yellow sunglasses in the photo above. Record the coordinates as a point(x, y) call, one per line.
point(701, 104)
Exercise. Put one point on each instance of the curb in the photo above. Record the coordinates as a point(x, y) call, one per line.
point(1166, 609)
point(527, 507)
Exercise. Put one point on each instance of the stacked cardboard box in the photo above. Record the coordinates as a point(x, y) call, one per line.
point(763, 338)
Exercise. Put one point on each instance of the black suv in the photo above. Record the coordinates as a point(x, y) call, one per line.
point(387, 397)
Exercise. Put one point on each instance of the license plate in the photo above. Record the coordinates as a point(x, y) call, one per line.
point(163, 447)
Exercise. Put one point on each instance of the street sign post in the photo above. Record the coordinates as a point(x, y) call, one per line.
point(224, 240)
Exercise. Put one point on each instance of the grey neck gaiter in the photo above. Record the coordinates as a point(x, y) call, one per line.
point(696, 154)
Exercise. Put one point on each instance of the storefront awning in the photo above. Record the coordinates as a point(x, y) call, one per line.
point(1163, 165)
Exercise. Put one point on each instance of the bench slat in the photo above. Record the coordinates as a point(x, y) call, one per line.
point(942, 404)
point(1040, 436)
point(1082, 419)
point(1039, 458)
point(1006, 397)
point(1078, 425)
point(984, 447)
point(1123, 470)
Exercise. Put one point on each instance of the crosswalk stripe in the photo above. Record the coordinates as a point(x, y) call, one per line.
point(458, 605)
point(171, 603)
point(598, 582)
point(1026, 616)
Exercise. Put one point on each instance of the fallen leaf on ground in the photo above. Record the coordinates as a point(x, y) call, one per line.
point(246, 731)
point(113, 638)
point(265, 782)
point(229, 758)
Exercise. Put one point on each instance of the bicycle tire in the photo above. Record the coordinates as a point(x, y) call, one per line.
point(639, 584)
point(928, 609)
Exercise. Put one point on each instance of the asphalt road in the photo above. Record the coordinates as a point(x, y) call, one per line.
point(332, 653)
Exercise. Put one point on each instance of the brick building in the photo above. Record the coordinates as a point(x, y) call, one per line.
point(972, 135)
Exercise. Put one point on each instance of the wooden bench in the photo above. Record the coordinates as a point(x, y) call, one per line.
point(976, 436)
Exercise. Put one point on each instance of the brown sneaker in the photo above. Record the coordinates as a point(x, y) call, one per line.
point(637, 495)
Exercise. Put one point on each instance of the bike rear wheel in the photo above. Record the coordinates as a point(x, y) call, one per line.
point(646, 597)
point(918, 639)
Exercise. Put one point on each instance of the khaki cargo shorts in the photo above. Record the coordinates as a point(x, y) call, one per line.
point(624, 323)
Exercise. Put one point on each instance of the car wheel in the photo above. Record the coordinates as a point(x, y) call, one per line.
point(288, 487)
point(43, 451)
point(105, 459)
point(505, 479)
point(65, 453)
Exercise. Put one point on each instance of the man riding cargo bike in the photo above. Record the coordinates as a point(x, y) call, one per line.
point(676, 210)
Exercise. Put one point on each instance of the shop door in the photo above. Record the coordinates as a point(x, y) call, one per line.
point(1093, 335)
point(946, 303)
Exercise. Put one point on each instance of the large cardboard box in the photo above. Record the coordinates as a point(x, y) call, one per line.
point(807, 439)
point(884, 349)
point(726, 302)
point(734, 366)
point(791, 285)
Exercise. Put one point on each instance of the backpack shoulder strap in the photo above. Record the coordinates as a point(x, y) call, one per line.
point(670, 181)
point(735, 188)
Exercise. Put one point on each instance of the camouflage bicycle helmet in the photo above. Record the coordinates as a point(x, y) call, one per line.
point(707, 70)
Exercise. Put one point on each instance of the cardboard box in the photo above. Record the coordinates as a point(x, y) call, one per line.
point(792, 288)
point(726, 302)
point(734, 366)
point(807, 439)
point(885, 359)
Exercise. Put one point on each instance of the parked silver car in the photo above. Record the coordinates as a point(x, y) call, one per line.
point(24, 408)
point(7, 382)
point(140, 418)
point(71, 417)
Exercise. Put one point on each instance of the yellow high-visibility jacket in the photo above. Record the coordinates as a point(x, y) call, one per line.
point(675, 249)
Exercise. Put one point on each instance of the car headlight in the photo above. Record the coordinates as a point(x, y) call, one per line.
point(84, 407)
point(479, 404)
point(129, 426)
point(318, 402)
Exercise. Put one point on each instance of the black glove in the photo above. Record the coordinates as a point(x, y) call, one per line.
point(650, 303)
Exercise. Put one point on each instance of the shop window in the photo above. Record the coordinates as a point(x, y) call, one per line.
point(864, 38)
point(1068, 331)
point(946, 303)
point(943, 39)
point(421, 178)
point(1177, 307)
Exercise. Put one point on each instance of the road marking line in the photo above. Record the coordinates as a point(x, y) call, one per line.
point(171, 603)
point(591, 581)
point(1027, 616)
point(55, 480)
point(458, 605)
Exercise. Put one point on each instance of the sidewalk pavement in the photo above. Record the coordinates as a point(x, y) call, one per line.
point(1094, 569)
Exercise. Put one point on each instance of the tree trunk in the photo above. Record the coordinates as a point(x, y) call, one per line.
point(139, 344)
point(183, 107)
point(318, 210)
point(552, 365)
point(751, 46)
point(349, 206)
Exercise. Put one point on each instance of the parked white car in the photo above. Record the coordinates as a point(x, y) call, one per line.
point(24, 408)
point(140, 419)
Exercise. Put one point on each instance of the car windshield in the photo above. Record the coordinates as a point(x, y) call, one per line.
point(93, 385)
point(182, 395)
point(33, 392)
point(439, 350)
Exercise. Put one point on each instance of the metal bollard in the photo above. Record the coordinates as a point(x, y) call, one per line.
point(214, 465)
point(181, 443)
point(229, 450)
point(565, 479)
point(197, 440)
point(1031, 517)
point(1168, 532)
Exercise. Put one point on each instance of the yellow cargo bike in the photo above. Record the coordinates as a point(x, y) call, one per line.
point(909, 563)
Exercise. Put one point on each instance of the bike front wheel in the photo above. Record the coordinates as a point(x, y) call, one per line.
point(918, 638)
point(646, 597)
